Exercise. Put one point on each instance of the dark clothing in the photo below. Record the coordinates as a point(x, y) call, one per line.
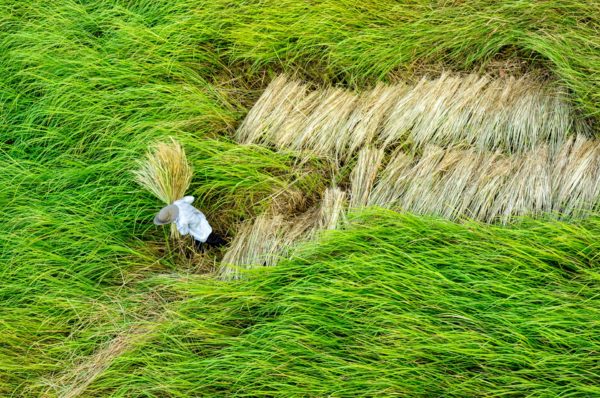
point(213, 240)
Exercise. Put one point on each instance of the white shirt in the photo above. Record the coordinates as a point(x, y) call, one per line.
point(191, 220)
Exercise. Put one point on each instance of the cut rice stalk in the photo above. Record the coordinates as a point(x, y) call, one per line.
point(528, 188)
point(332, 211)
point(166, 173)
point(507, 114)
point(363, 176)
point(576, 176)
point(258, 243)
point(392, 182)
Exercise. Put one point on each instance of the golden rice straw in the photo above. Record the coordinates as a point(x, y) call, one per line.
point(270, 111)
point(365, 121)
point(457, 174)
point(508, 114)
point(325, 126)
point(494, 172)
point(392, 182)
point(528, 189)
point(576, 176)
point(166, 173)
point(421, 180)
point(257, 243)
point(288, 135)
point(332, 209)
point(363, 175)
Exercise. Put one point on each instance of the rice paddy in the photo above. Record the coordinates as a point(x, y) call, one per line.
point(409, 193)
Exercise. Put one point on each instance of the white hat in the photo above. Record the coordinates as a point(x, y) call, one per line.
point(167, 215)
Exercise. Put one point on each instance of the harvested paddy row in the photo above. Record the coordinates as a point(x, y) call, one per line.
point(511, 115)
point(455, 147)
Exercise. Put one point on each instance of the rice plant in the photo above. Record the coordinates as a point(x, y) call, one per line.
point(357, 44)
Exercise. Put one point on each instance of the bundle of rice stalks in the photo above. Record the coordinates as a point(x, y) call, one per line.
point(315, 122)
point(333, 209)
point(263, 241)
point(327, 123)
point(494, 171)
point(392, 181)
point(576, 176)
point(165, 172)
point(272, 109)
point(363, 176)
point(289, 134)
point(422, 179)
point(365, 122)
point(420, 109)
point(527, 190)
point(453, 188)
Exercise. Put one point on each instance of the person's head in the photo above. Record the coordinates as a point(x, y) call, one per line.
point(166, 215)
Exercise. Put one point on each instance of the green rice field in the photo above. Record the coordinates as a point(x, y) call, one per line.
point(415, 260)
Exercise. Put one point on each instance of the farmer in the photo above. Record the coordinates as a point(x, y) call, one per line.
point(189, 220)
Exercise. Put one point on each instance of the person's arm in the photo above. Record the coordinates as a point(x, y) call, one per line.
point(183, 219)
point(183, 229)
point(200, 229)
point(188, 199)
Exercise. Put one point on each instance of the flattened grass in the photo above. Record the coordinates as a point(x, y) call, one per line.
point(357, 42)
point(395, 305)
point(86, 88)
